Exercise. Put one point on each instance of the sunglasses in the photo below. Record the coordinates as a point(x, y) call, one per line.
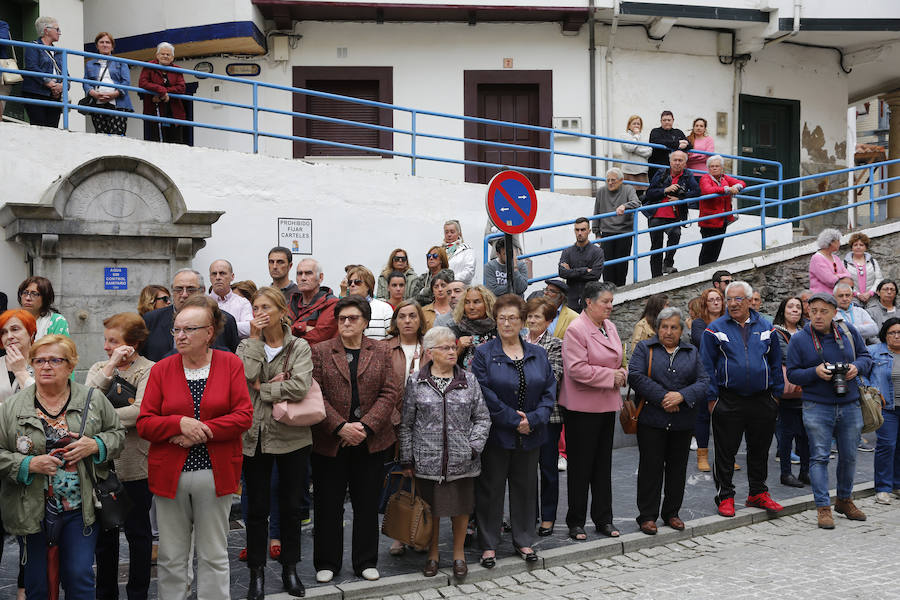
point(400, 258)
point(354, 282)
point(165, 299)
point(349, 318)
point(432, 256)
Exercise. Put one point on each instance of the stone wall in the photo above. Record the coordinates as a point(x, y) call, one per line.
point(775, 281)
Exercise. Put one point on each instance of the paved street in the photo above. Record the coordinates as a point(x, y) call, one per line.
point(781, 559)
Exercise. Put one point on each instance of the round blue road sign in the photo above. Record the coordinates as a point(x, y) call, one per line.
point(511, 202)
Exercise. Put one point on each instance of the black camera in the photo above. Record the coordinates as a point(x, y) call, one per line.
point(839, 377)
point(680, 192)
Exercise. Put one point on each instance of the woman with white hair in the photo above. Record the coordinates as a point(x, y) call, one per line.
point(825, 267)
point(157, 102)
point(716, 182)
point(615, 198)
point(460, 255)
point(44, 88)
point(444, 428)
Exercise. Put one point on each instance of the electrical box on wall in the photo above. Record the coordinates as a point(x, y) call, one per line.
point(568, 124)
point(280, 50)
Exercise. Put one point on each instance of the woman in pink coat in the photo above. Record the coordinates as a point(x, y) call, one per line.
point(716, 182)
point(699, 140)
point(589, 398)
point(825, 267)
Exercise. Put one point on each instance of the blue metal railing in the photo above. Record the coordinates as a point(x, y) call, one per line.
point(414, 133)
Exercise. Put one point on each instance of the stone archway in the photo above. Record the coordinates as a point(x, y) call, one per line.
point(110, 212)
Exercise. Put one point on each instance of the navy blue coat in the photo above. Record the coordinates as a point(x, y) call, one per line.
point(684, 375)
point(117, 71)
point(499, 381)
point(4, 35)
point(656, 192)
point(802, 360)
point(39, 60)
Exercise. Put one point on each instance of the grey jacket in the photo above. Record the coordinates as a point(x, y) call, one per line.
point(442, 435)
point(607, 202)
point(495, 277)
point(274, 437)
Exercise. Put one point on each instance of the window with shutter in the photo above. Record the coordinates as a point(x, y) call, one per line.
point(372, 83)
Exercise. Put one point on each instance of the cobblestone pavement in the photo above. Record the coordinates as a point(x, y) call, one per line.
point(780, 559)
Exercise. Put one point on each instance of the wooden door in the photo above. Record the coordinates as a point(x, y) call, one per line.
point(516, 103)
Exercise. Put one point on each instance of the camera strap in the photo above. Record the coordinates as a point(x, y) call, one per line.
point(817, 343)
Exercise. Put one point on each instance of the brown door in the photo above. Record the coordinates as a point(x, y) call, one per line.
point(516, 103)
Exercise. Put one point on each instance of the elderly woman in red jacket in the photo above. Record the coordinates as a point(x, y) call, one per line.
point(195, 408)
point(361, 394)
point(158, 102)
point(716, 182)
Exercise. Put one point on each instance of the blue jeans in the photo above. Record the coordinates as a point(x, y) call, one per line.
point(843, 422)
point(76, 560)
point(887, 458)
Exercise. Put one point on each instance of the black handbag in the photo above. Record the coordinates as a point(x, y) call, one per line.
point(111, 502)
point(121, 393)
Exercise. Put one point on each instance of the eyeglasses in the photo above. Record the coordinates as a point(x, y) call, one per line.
point(186, 330)
point(56, 29)
point(354, 282)
point(736, 299)
point(349, 318)
point(400, 258)
point(30, 294)
point(892, 334)
point(512, 319)
point(443, 348)
point(165, 299)
point(189, 290)
point(435, 255)
point(53, 362)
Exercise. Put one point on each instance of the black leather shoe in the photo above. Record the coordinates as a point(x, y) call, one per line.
point(545, 531)
point(791, 481)
point(257, 587)
point(804, 478)
point(291, 581)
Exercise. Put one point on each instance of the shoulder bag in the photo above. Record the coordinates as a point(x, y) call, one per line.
point(871, 402)
point(408, 519)
point(307, 412)
point(629, 414)
point(121, 393)
point(111, 503)
point(90, 100)
point(10, 63)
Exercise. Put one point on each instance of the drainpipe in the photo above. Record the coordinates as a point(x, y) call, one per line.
point(608, 83)
point(798, 4)
point(592, 79)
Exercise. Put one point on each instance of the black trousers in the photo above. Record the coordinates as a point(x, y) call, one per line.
point(45, 116)
point(501, 467)
point(662, 465)
point(673, 234)
point(790, 427)
point(258, 478)
point(752, 417)
point(589, 442)
point(617, 273)
point(356, 468)
point(709, 251)
point(140, 543)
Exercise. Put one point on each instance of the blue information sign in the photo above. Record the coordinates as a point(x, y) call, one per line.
point(115, 278)
point(511, 202)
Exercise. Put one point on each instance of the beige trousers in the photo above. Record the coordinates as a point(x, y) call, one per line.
point(194, 510)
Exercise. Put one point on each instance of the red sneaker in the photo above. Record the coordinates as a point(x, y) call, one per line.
point(764, 500)
point(726, 507)
point(243, 555)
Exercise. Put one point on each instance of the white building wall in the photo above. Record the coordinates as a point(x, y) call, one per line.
point(69, 15)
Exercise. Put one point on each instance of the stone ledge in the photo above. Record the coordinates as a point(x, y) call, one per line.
point(396, 584)
point(511, 565)
point(581, 552)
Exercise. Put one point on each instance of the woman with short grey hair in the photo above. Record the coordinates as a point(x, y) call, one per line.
point(46, 88)
point(668, 375)
point(716, 181)
point(157, 102)
point(825, 267)
point(442, 432)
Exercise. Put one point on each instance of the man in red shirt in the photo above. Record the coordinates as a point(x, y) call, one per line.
point(674, 183)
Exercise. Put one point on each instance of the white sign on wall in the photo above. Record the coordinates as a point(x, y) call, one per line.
point(295, 234)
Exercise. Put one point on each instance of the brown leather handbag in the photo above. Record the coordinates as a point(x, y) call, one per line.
point(629, 414)
point(408, 519)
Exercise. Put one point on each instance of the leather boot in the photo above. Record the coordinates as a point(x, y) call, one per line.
point(823, 516)
point(848, 509)
point(257, 588)
point(291, 581)
point(703, 460)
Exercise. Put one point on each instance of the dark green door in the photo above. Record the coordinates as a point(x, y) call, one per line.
point(770, 129)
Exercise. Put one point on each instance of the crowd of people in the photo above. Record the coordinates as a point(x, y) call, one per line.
point(474, 393)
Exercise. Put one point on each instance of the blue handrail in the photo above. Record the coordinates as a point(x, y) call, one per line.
point(414, 133)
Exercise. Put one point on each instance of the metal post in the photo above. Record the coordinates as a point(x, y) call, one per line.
point(780, 190)
point(871, 195)
point(508, 239)
point(762, 216)
point(255, 118)
point(635, 242)
point(412, 149)
point(552, 159)
point(65, 89)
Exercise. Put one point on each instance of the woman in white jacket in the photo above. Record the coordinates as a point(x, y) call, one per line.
point(459, 254)
point(636, 153)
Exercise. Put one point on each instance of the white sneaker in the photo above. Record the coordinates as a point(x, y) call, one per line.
point(693, 443)
point(324, 576)
point(370, 574)
point(883, 498)
point(562, 464)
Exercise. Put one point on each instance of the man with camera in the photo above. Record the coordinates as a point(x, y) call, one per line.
point(742, 357)
point(824, 359)
point(669, 185)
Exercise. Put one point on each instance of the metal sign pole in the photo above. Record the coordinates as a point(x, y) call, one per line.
point(508, 238)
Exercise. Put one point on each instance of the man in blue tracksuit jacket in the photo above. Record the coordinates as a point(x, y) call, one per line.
point(743, 360)
point(826, 415)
